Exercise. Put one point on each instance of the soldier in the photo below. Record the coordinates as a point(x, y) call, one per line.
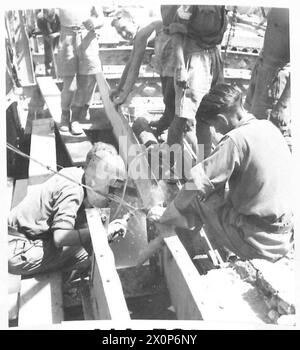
point(268, 95)
point(49, 25)
point(197, 32)
point(78, 63)
point(48, 231)
point(254, 218)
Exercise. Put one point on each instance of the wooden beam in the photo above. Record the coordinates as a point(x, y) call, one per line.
point(175, 267)
point(19, 42)
point(107, 289)
point(51, 95)
point(9, 192)
point(20, 191)
point(40, 297)
point(126, 143)
point(119, 56)
point(14, 287)
point(42, 149)
point(183, 280)
point(41, 300)
point(86, 301)
point(14, 281)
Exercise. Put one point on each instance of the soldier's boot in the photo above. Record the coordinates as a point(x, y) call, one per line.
point(75, 127)
point(65, 121)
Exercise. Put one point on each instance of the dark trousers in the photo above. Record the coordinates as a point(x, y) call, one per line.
point(49, 45)
point(168, 91)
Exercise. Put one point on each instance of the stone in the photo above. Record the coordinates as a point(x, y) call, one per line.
point(245, 270)
point(273, 315)
point(277, 279)
point(287, 320)
point(285, 308)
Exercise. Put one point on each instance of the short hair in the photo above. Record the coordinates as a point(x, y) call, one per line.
point(122, 14)
point(101, 151)
point(221, 98)
point(106, 154)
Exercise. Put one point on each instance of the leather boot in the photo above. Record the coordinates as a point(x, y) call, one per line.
point(76, 128)
point(65, 121)
point(85, 112)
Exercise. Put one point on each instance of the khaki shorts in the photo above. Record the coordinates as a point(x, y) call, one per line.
point(205, 69)
point(28, 257)
point(78, 53)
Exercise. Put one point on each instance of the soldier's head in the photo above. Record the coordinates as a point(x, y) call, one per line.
point(104, 168)
point(125, 24)
point(222, 108)
point(49, 14)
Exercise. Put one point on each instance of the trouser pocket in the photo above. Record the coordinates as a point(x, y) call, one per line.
point(24, 256)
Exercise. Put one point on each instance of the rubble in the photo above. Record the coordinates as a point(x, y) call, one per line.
point(275, 282)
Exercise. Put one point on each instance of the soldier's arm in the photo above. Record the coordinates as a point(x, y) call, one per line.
point(132, 68)
point(178, 30)
point(96, 19)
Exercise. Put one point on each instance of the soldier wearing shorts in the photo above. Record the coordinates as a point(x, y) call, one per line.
point(78, 63)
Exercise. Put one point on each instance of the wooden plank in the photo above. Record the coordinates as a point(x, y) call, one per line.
point(41, 300)
point(115, 72)
point(14, 281)
point(107, 288)
point(147, 190)
point(86, 301)
point(36, 300)
point(42, 149)
point(51, 95)
point(14, 287)
point(128, 145)
point(9, 192)
point(19, 42)
point(20, 191)
point(76, 146)
point(120, 56)
point(183, 280)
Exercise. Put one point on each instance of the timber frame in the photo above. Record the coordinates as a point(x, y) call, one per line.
point(182, 278)
point(181, 275)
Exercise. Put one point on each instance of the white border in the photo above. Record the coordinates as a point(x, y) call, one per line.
point(295, 60)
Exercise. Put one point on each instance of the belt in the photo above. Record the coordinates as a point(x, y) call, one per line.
point(15, 233)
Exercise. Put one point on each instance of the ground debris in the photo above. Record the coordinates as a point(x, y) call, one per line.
point(226, 297)
point(274, 281)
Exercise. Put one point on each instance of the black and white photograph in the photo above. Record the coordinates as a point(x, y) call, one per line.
point(135, 196)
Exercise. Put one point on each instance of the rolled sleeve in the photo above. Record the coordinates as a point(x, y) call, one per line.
point(206, 178)
point(65, 208)
point(201, 180)
point(181, 21)
point(213, 173)
point(172, 216)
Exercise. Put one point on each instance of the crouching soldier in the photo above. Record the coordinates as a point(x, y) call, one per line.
point(254, 218)
point(47, 230)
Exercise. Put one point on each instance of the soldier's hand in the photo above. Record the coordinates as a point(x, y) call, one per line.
point(54, 35)
point(114, 93)
point(120, 99)
point(155, 213)
point(89, 24)
point(280, 117)
point(117, 228)
point(181, 76)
